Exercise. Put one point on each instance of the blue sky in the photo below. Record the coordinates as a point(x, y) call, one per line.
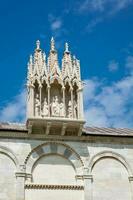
point(99, 33)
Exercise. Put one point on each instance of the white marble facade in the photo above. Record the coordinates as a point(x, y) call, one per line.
point(54, 92)
point(33, 169)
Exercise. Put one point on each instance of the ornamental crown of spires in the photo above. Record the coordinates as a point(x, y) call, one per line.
point(40, 68)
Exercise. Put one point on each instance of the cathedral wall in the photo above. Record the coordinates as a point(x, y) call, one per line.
point(106, 173)
point(48, 195)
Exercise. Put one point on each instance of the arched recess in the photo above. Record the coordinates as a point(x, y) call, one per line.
point(111, 174)
point(8, 167)
point(54, 148)
point(111, 154)
point(10, 154)
point(53, 167)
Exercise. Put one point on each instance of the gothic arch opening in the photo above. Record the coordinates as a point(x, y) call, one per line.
point(110, 180)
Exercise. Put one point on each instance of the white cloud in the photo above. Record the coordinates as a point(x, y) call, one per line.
point(91, 25)
point(15, 110)
point(92, 5)
point(129, 63)
point(110, 105)
point(57, 29)
point(113, 66)
point(111, 6)
point(56, 24)
point(101, 9)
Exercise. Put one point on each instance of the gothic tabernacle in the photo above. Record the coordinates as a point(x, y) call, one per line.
point(55, 93)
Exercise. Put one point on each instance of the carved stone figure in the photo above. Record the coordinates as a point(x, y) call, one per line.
point(55, 109)
point(75, 108)
point(37, 105)
point(62, 110)
point(70, 113)
point(45, 108)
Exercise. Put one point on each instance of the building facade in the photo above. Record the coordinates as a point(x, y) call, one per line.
point(53, 155)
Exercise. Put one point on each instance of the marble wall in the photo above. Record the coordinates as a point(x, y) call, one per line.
point(76, 169)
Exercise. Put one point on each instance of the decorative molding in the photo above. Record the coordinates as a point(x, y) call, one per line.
point(82, 177)
point(20, 174)
point(130, 178)
point(54, 187)
point(89, 176)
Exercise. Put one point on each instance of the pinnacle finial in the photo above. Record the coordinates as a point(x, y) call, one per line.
point(37, 44)
point(30, 58)
point(74, 57)
point(44, 56)
point(52, 44)
point(66, 47)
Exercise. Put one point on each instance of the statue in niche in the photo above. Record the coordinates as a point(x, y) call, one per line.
point(45, 108)
point(37, 105)
point(75, 107)
point(62, 110)
point(70, 112)
point(55, 109)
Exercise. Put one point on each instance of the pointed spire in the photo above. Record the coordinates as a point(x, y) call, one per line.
point(44, 56)
point(31, 59)
point(66, 63)
point(66, 47)
point(30, 65)
point(52, 44)
point(74, 57)
point(37, 44)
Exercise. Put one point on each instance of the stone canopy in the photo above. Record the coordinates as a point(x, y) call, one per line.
point(54, 94)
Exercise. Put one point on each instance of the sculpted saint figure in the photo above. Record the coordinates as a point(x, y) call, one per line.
point(70, 114)
point(45, 108)
point(75, 109)
point(62, 110)
point(37, 105)
point(55, 110)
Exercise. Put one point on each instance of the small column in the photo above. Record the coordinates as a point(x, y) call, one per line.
point(40, 91)
point(131, 185)
point(20, 184)
point(80, 103)
point(30, 101)
point(71, 90)
point(63, 90)
point(48, 100)
point(88, 180)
